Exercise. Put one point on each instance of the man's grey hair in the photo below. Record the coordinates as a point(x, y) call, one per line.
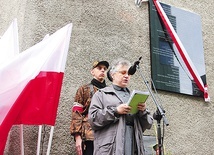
point(119, 62)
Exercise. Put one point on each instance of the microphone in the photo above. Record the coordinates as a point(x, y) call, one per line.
point(132, 69)
point(157, 115)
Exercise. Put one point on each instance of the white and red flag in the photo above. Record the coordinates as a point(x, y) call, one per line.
point(30, 84)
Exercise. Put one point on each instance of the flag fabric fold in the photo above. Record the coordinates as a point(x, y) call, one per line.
point(31, 83)
point(9, 43)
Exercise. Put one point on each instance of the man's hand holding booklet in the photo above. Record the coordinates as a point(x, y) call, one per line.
point(137, 97)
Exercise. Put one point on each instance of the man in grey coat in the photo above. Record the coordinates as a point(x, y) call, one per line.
point(116, 131)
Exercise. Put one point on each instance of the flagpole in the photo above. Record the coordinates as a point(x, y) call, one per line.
point(39, 139)
point(21, 139)
point(50, 140)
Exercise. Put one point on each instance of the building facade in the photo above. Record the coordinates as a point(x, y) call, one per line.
point(108, 29)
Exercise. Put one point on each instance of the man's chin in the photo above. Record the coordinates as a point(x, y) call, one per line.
point(125, 84)
point(101, 79)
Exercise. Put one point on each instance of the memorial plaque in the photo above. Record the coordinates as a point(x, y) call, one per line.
point(168, 70)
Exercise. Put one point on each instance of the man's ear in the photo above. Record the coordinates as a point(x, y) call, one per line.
point(92, 72)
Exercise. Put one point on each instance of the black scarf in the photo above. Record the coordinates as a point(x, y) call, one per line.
point(98, 84)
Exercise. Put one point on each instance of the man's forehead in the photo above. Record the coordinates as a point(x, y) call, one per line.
point(124, 67)
point(101, 65)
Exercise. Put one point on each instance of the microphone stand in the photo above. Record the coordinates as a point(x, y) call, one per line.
point(160, 113)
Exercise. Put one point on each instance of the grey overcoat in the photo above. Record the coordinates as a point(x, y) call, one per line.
point(109, 129)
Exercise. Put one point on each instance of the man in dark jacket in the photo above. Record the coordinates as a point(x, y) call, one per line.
point(80, 128)
point(116, 131)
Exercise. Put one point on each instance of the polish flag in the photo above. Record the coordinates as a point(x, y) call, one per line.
point(30, 84)
point(9, 46)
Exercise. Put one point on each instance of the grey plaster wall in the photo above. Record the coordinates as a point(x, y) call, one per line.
point(107, 29)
